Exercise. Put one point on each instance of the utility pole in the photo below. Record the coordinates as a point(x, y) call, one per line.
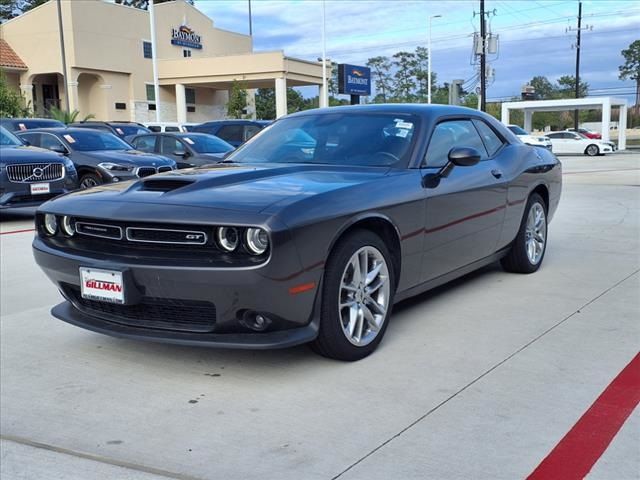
point(483, 59)
point(64, 58)
point(575, 114)
point(250, 21)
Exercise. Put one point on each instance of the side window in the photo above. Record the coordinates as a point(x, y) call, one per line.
point(450, 134)
point(32, 138)
point(171, 129)
point(145, 144)
point(49, 141)
point(146, 50)
point(170, 145)
point(231, 133)
point(155, 128)
point(250, 131)
point(491, 141)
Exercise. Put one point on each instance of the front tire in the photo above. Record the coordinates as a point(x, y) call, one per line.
point(89, 180)
point(528, 249)
point(592, 150)
point(357, 297)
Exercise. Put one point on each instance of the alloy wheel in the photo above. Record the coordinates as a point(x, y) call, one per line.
point(535, 233)
point(364, 296)
point(88, 182)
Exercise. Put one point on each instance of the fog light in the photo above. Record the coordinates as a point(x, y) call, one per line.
point(257, 241)
point(50, 224)
point(67, 227)
point(228, 238)
point(255, 321)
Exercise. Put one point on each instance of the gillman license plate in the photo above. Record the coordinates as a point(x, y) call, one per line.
point(40, 188)
point(101, 285)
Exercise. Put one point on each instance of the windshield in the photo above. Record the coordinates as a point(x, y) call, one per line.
point(127, 130)
point(517, 130)
point(363, 139)
point(8, 139)
point(93, 140)
point(207, 144)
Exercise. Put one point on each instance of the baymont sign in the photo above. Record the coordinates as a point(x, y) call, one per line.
point(184, 36)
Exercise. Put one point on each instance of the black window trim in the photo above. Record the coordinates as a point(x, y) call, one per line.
point(155, 141)
point(450, 118)
point(500, 137)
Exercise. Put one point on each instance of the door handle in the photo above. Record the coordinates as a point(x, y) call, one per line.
point(496, 173)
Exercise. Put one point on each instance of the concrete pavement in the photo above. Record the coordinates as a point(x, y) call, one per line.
point(478, 379)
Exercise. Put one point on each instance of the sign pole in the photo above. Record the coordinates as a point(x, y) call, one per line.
point(64, 59)
point(154, 62)
point(323, 96)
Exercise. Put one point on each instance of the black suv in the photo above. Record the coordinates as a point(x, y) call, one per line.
point(123, 130)
point(21, 124)
point(235, 132)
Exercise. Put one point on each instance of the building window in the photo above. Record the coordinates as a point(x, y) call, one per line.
point(146, 50)
point(121, 106)
point(191, 108)
point(186, 53)
point(152, 106)
point(151, 93)
point(190, 95)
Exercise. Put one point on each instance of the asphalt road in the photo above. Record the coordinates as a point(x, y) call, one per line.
point(479, 379)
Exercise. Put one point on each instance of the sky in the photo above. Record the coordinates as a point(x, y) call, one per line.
point(532, 35)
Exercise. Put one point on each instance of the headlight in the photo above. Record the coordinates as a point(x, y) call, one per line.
point(68, 164)
point(228, 238)
point(116, 167)
point(257, 241)
point(50, 224)
point(68, 227)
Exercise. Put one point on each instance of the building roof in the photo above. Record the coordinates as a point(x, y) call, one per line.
point(9, 58)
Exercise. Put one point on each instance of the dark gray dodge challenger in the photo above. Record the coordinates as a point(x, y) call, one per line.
point(309, 232)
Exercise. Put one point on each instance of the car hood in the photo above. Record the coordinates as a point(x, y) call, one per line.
point(249, 188)
point(134, 157)
point(19, 154)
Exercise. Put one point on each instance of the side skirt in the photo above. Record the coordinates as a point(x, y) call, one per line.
point(447, 277)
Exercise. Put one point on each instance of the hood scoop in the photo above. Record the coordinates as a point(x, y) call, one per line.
point(164, 184)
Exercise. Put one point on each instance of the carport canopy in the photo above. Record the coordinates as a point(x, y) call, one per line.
point(605, 104)
point(254, 70)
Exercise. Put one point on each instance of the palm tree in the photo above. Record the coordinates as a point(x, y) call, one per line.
point(67, 117)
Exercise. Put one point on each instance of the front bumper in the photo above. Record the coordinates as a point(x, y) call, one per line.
point(18, 195)
point(230, 291)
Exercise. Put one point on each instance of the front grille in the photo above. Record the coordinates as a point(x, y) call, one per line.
point(163, 235)
point(146, 171)
point(35, 172)
point(157, 313)
point(100, 230)
point(164, 169)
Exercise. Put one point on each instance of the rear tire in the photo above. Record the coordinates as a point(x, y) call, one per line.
point(528, 249)
point(89, 180)
point(357, 296)
point(592, 150)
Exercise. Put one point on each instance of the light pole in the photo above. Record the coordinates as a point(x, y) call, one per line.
point(323, 100)
point(429, 59)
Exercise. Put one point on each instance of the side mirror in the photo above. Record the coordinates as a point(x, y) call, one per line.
point(464, 156)
point(58, 149)
point(181, 153)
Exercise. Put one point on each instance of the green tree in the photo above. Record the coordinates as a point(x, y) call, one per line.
point(12, 8)
point(543, 87)
point(237, 100)
point(11, 102)
point(144, 4)
point(266, 104)
point(68, 117)
point(631, 68)
point(421, 74)
point(381, 70)
point(567, 87)
point(404, 81)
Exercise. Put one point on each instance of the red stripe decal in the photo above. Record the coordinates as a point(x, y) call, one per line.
point(465, 219)
point(579, 450)
point(18, 231)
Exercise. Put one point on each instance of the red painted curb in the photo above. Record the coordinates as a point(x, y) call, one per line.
point(579, 450)
point(18, 231)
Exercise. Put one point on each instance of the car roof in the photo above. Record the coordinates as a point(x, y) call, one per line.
point(59, 130)
point(229, 122)
point(31, 119)
point(420, 109)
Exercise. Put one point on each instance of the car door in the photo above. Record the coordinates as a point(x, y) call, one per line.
point(233, 134)
point(170, 146)
point(465, 210)
point(576, 143)
point(558, 142)
point(145, 143)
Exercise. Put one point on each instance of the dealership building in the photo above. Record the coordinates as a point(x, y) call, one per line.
point(109, 74)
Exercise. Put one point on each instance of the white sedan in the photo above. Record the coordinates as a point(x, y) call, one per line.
point(571, 142)
point(526, 137)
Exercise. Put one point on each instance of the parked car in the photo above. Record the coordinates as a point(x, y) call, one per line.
point(169, 127)
point(187, 149)
point(235, 132)
point(99, 157)
point(123, 130)
point(574, 143)
point(526, 137)
point(585, 132)
point(613, 146)
point(29, 175)
point(21, 124)
point(257, 253)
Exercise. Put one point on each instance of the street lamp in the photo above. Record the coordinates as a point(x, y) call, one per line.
point(429, 59)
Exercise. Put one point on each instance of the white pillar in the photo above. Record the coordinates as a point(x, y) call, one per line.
point(72, 94)
point(622, 128)
point(322, 95)
point(281, 97)
point(181, 103)
point(606, 119)
point(505, 114)
point(27, 94)
point(528, 116)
